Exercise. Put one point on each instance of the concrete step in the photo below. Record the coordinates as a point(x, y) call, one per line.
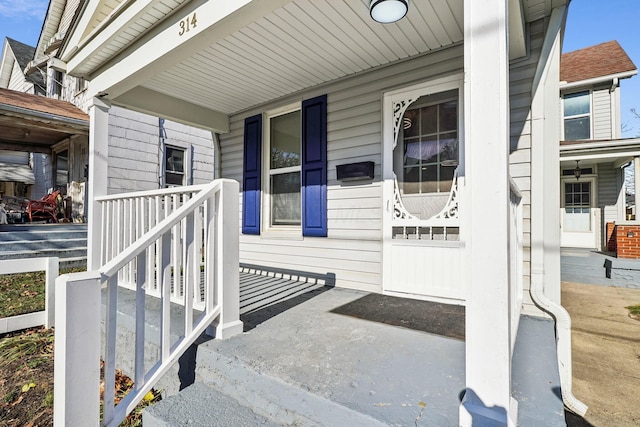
point(10, 233)
point(202, 405)
point(39, 245)
point(65, 241)
point(63, 254)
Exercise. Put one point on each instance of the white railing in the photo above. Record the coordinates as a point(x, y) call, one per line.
point(50, 266)
point(515, 259)
point(78, 299)
point(126, 217)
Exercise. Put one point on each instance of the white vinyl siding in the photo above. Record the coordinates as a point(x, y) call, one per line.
point(69, 10)
point(17, 81)
point(353, 248)
point(14, 157)
point(609, 183)
point(601, 116)
point(134, 158)
point(520, 82)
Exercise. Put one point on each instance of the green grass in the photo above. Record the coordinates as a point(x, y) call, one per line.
point(634, 310)
point(24, 293)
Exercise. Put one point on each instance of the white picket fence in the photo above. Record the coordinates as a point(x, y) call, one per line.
point(164, 248)
point(45, 317)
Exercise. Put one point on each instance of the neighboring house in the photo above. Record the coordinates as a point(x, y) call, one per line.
point(15, 57)
point(593, 153)
point(22, 173)
point(408, 159)
point(145, 152)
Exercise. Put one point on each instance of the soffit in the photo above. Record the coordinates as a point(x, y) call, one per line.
point(50, 25)
point(304, 44)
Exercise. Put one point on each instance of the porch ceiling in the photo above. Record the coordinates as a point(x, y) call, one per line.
point(304, 44)
point(257, 51)
point(615, 151)
point(35, 123)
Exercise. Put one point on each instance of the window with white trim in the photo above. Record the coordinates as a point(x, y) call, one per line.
point(174, 166)
point(283, 168)
point(284, 172)
point(57, 83)
point(577, 116)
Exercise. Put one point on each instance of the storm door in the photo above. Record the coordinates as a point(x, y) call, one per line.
point(422, 164)
point(578, 213)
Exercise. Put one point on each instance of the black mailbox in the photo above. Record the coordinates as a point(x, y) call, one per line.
point(355, 171)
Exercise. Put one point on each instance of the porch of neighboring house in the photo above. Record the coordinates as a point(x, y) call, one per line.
point(593, 196)
point(43, 148)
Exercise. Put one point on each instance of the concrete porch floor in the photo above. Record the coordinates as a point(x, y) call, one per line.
point(300, 363)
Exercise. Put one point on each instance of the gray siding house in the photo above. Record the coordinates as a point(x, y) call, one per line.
point(593, 153)
point(409, 158)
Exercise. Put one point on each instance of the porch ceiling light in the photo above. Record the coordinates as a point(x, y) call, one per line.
point(388, 11)
point(577, 171)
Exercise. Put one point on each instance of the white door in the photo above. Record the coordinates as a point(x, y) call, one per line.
point(421, 154)
point(578, 214)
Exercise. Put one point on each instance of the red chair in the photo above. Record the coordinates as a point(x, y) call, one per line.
point(45, 209)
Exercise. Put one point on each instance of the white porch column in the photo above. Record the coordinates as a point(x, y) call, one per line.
point(98, 159)
point(486, 125)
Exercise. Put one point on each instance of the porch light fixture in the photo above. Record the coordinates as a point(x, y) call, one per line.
point(577, 171)
point(388, 11)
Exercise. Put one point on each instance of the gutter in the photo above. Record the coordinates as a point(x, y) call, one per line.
point(44, 116)
point(609, 143)
point(596, 80)
point(550, 47)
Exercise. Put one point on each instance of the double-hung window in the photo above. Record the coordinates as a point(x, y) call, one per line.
point(577, 116)
point(284, 183)
point(176, 164)
point(284, 169)
point(174, 171)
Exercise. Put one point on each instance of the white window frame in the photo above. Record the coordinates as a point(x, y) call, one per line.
point(577, 116)
point(188, 163)
point(57, 86)
point(268, 230)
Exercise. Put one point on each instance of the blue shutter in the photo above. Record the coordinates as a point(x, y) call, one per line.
point(251, 175)
point(314, 167)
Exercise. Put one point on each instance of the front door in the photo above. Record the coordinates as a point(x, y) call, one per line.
point(578, 215)
point(422, 182)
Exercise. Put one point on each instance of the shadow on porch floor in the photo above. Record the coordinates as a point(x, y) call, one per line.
point(369, 354)
point(312, 352)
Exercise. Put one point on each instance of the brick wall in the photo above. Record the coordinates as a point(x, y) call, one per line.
point(611, 236)
point(627, 239)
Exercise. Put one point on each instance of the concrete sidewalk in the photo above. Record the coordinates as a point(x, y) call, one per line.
point(587, 266)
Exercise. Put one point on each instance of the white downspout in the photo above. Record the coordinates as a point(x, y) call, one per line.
point(545, 125)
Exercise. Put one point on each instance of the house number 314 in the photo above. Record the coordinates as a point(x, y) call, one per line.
point(187, 23)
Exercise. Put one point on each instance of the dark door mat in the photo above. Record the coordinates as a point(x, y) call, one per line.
point(432, 317)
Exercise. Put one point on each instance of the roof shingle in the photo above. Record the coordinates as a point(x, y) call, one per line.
point(41, 104)
point(603, 59)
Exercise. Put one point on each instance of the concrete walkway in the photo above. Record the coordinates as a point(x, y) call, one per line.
point(587, 266)
point(605, 341)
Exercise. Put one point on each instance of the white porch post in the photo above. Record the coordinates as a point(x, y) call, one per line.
point(486, 124)
point(98, 159)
